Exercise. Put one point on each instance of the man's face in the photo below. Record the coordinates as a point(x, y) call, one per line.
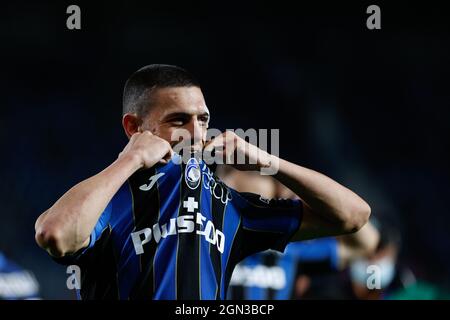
point(176, 112)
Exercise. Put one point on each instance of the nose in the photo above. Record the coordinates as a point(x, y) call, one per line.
point(195, 130)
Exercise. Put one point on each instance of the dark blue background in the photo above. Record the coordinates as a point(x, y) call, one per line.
point(368, 108)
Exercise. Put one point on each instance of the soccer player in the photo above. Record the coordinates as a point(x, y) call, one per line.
point(271, 275)
point(150, 227)
point(16, 283)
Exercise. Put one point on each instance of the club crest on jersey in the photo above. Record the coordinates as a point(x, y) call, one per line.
point(192, 173)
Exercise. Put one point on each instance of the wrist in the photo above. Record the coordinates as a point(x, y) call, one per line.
point(270, 166)
point(132, 161)
point(265, 159)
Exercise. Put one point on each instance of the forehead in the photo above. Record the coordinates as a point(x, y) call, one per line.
point(188, 100)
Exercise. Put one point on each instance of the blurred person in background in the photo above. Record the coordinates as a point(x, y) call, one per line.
point(272, 275)
point(360, 280)
point(379, 276)
point(16, 283)
point(385, 258)
point(397, 281)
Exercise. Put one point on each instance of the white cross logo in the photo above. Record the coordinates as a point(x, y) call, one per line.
point(190, 204)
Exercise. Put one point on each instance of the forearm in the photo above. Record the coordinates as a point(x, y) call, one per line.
point(359, 244)
point(324, 196)
point(66, 226)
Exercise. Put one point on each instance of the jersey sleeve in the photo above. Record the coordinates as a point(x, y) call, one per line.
point(318, 255)
point(267, 223)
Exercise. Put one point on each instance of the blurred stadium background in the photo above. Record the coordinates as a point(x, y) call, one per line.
point(368, 108)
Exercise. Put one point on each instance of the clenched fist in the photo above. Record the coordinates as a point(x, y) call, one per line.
point(235, 151)
point(147, 149)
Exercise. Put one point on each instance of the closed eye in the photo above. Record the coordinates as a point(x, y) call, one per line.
point(204, 118)
point(181, 119)
point(177, 122)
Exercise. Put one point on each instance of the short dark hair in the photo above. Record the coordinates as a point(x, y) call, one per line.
point(390, 234)
point(138, 88)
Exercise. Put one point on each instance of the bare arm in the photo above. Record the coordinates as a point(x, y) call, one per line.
point(66, 226)
point(330, 209)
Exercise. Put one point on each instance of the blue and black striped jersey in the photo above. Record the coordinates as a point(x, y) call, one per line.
point(271, 275)
point(16, 283)
point(176, 231)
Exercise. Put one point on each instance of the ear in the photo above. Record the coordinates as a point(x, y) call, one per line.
point(131, 123)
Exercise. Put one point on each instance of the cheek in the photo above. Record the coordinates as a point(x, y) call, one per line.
point(158, 130)
point(165, 133)
point(173, 134)
point(151, 126)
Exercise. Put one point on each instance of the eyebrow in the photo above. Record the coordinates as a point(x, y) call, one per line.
point(184, 115)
